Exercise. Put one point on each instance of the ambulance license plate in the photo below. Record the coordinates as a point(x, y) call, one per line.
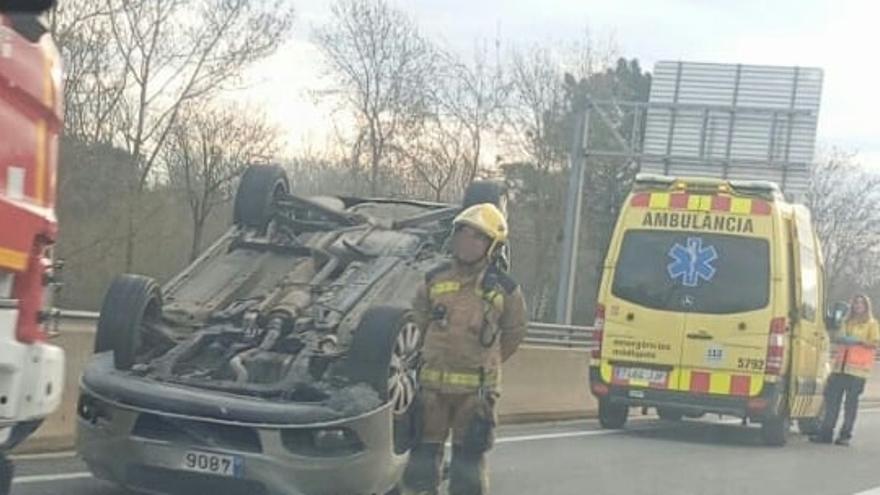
point(210, 463)
point(640, 374)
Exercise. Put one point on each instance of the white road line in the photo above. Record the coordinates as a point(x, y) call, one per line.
point(872, 491)
point(41, 457)
point(550, 436)
point(46, 478)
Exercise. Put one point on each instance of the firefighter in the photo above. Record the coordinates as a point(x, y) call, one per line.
point(475, 318)
point(854, 359)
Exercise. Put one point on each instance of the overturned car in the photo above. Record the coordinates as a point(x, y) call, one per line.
point(284, 360)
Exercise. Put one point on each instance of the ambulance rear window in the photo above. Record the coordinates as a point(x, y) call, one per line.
point(693, 272)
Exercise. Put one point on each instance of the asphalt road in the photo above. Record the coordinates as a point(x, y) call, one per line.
point(650, 457)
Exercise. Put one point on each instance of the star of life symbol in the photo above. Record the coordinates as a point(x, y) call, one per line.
point(692, 262)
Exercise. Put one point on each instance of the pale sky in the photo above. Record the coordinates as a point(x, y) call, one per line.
point(842, 37)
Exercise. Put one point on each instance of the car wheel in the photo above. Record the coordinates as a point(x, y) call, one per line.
point(385, 353)
point(612, 416)
point(673, 415)
point(774, 431)
point(258, 192)
point(131, 302)
point(485, 191)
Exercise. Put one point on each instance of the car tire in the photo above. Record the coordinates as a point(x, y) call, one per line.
point(385, 354)
point(612, 416)
point(774, 431)
point(485, 191)
point(672, 415)
point(130, 302)
point(256, 198)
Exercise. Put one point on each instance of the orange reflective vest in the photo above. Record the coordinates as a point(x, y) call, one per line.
point(857, 358)
point(854, 359)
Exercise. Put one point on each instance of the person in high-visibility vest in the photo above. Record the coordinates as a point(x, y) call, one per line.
point(854, 354)
point(475, 318)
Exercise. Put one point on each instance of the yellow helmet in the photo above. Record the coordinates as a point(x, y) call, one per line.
point(485, 218)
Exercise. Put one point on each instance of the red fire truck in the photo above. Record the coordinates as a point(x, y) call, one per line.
point(31, 369)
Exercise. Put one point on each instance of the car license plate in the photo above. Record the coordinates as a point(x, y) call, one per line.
point(210, 463)
point(640, 374)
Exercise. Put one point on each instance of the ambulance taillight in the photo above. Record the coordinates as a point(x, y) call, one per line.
point(776, 347)
point(599, 330)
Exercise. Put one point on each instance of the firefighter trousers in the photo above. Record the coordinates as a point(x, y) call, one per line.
point(840, 385)
point(471, 419)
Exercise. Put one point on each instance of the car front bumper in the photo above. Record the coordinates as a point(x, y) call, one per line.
point(143, 449)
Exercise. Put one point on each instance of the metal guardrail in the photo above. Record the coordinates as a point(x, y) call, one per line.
point(566, 336)
point(69, 314)
point(543, 334)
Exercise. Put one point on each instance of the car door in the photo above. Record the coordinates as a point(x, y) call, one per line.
point(724, 343)
point(808, 335)
point(643, 319)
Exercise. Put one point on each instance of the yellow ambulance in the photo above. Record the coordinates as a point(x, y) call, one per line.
point(712, 301)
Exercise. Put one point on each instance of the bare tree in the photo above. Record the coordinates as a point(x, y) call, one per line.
point(471, 96)
point(538, 105)
point(845, 203)
point(534, 131)
point(207, 150)
point(94, 76)
point(437, 153)
point(175, 52)
point(381, 64)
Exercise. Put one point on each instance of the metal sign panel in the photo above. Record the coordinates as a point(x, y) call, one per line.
point(733, 121)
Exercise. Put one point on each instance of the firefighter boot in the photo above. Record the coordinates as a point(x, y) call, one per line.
point(468, 474)
point(422, 475)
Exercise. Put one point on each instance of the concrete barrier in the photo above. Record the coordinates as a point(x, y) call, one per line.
point(539, 384)
point(544, 383)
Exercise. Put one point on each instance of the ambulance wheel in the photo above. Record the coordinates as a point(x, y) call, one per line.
point(774, 431)
point(131, 303)
point(811, 426)
point(673, 415)
point(612, 416)
point(258, 192)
